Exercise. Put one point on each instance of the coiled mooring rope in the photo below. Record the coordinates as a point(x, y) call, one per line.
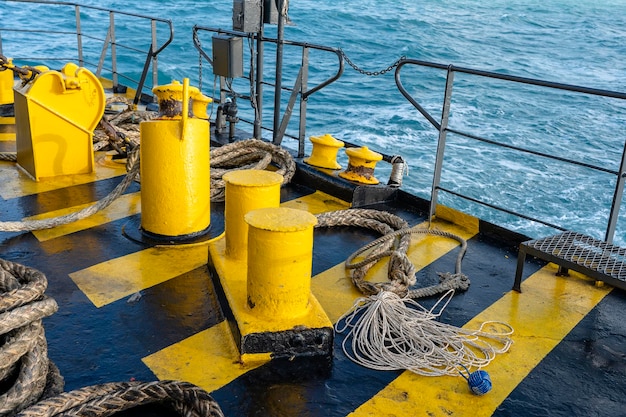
point(389, 330)
point(24, 364)
point(105, 400)
point(393, 244)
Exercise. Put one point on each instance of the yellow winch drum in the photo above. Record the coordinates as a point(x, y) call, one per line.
point(55, 115)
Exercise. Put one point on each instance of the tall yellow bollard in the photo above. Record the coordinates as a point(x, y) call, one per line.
point(280, 254)
point(246, 190)
point(175, 168)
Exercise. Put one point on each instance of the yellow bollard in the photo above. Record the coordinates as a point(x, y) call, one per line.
point(7, 80)
point(175, 168)
point(280, 253)
point(361, 164)
point(324, 152)
point(246, 190)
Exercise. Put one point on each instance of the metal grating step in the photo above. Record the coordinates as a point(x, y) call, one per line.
point(595, 258)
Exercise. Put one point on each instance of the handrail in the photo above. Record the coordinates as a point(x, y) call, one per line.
point(442, 127)
point(154, 48)
point(301, 88)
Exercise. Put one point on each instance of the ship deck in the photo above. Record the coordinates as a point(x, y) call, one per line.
point(133, 310)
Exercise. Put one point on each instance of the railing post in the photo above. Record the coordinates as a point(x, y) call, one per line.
point(155, 60)
point(79, 37)
point(280, 35)
point(113, 48)
point(303, 102)
point(258, 99)
point(617, 199)
point(441, 143)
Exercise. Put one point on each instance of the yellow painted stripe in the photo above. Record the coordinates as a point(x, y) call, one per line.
point(15, 183)
point(7, 129)
point(208, 359)
point(542, 316)
point(115, 279)
point(335, 291)
point(124, 206)
point(318, 202)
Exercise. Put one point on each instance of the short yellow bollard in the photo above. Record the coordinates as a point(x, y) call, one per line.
point(361, 164)
point(324, 152)
point(246, 190)
point(280, 254)
point(175, 168)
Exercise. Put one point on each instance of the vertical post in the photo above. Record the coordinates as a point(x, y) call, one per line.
point(258, 115)
point(79, 37)
point(155, 60)
point(441, 144)
point(113, 48)
point(617, 199)
point(279, 69)
point(303, 87)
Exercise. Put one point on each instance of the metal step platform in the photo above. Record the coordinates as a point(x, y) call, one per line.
point(570, 250)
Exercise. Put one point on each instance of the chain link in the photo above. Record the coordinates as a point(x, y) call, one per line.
point(371, 73)
point(27, 74)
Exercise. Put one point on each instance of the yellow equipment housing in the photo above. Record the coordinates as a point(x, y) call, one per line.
point(55, 116)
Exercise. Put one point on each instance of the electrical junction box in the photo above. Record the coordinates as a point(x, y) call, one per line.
point(270, 10)
point(247, 15)
point(227, 56)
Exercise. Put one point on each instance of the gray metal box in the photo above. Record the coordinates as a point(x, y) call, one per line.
point(270, 11)
point(247, 15)
point(228, 56)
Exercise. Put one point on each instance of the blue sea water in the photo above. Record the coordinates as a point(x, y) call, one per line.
point(569, 41)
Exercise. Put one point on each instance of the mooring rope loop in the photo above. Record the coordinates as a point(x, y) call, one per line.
point(23, 348)
point(104, 400)
point(394, 245)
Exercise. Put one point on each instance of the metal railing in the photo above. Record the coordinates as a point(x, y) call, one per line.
point(300, 92)
point(444, 129)
point(74, 31)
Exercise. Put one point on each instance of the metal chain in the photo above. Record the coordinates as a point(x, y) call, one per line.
point(371, 73)
point(27, 74)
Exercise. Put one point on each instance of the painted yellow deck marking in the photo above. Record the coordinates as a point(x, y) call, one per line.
point(542, 316)
point(318, 202)
point(7, 129)
point(124, 206)
point(208, 359)
point(335, 291)
point(115, 279)
point(15, 183)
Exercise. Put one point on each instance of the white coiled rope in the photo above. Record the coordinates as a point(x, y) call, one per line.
point(388, 332)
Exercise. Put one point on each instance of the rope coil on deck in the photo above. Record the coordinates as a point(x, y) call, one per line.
point(104, 400)
point(26, 374)
point(394, 244)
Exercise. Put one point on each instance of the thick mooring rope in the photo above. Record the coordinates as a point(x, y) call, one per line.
point(247, 154)
point(105, 400)
point(25, 369)
point(393, 244)
point(40, 224)
point(389, 332)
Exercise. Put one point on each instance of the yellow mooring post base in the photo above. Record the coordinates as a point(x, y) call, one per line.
point(266, 296)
